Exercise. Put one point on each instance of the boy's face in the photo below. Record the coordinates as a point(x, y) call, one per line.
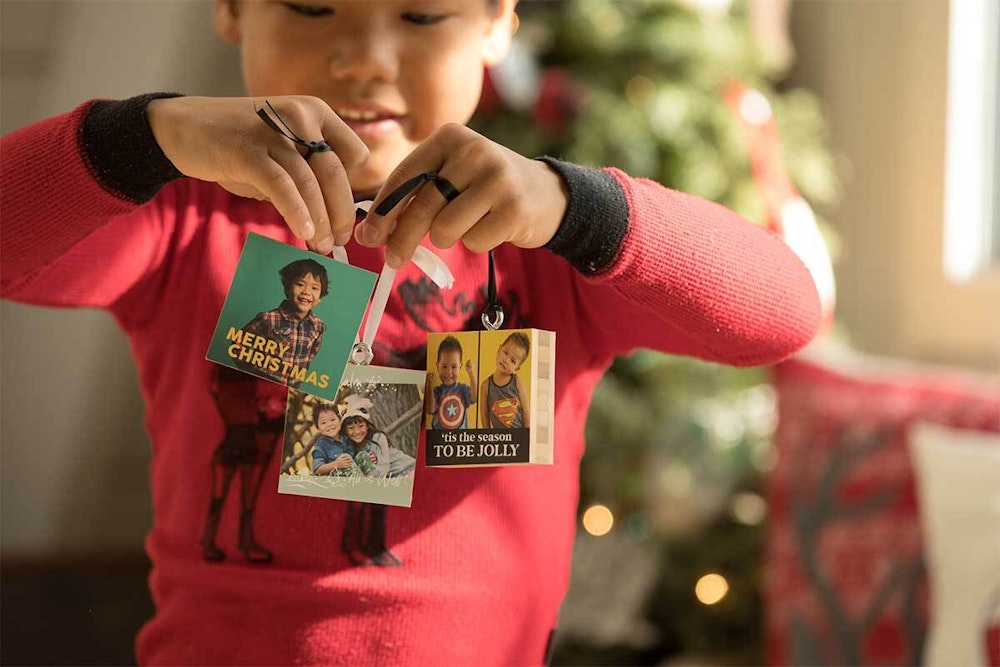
point(328, 423)
point(510, 356)
point(305, 293)
point(357, 431)
point(448, 366)
point(394, 70)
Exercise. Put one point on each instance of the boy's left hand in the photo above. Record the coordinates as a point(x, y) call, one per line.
point(503, 197)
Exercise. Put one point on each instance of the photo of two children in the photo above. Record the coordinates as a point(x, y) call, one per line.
point(479, 399)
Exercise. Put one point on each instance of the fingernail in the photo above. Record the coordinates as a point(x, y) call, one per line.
point(308, 230)
point(325, 245)
point(366, 233)
point(342, 239)
point(393, 260)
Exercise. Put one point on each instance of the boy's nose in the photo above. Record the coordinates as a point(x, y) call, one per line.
point(364, 57)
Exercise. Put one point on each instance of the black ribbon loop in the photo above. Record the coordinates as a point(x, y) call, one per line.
point(447, 190)
point(443, 185)
point(492, 316)
point(310, 146)
point(399, 193)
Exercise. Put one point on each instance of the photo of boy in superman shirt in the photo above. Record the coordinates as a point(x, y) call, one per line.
point(503, 395)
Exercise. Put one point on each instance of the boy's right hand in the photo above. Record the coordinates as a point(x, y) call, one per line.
point(343, 461)
point(222, 140)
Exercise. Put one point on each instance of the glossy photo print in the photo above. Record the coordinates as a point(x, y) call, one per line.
point(452, 380)
point(362, 444)
point(291, 316)
point(489, 398)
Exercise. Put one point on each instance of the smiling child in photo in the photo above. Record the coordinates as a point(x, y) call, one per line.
point(293, 324)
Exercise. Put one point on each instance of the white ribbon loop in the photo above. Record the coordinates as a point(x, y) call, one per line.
point(428, 262)
point(434, 267)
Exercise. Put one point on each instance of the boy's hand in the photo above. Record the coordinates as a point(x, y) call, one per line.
point(343, 461)
point(224, 141)
point(473, 380)
point(502, 197)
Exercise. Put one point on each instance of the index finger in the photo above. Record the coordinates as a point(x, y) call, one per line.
point(333, 172)
point(345, 143)
point(429, 156)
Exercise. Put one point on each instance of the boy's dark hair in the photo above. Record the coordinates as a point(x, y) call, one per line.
point(321, 408)
point(518, 338)
point(354, 419)
point(450, 344)
point(299, 268)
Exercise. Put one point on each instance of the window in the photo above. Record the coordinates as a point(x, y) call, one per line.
point(972, 187)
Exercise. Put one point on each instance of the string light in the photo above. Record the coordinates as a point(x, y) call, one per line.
point(748, 508)
point(597, 520)
point(755, 108)
point(711, 588)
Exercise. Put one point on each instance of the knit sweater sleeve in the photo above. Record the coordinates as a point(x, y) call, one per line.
point(660, 269)
point(81, 226)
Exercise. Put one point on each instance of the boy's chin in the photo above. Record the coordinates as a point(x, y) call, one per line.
point(367, 179)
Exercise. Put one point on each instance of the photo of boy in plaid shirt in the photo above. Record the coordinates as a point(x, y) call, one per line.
point(292, 323)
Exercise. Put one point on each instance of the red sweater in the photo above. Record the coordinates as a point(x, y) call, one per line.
point(486, 552)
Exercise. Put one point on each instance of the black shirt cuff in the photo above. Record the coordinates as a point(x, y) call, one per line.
point(591, 233)
point(121, 151)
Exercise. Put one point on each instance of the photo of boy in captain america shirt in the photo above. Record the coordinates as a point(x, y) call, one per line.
point(449, 402)
point(504, 416)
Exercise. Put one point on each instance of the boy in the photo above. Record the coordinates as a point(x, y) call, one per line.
point(449, 402)
point(329, 454)
point(608, 261)
point(375, 456)
point(503, 396)
point(292, 324)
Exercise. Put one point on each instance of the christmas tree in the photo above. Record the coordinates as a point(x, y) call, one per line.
point(676, 449)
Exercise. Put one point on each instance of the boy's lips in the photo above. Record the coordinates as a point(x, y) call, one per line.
point(368, 121)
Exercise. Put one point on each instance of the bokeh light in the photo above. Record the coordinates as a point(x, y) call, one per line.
point(748, 508)
point(597, 520)
point(711, 588)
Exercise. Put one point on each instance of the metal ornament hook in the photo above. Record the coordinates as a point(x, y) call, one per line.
point(361, 354)
point(492, 316)
point(496, 321)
